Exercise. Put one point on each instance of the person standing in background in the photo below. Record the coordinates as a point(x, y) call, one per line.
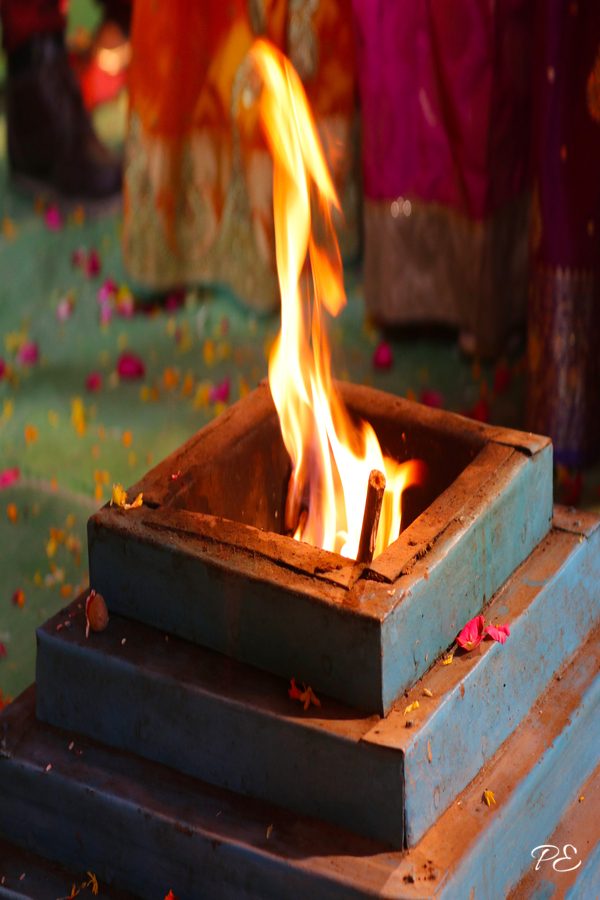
point(564, 306)
point(198, 174)
point(51, 141)
point(445, 93)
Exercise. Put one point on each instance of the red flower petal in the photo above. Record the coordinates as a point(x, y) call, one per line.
point(432, 398)
point(92, 264)
point(8, 477)
point(498, 632)
point(472, 634)
point(93, 382)
point(383, 357)
point(130, 366)
point(294, 691)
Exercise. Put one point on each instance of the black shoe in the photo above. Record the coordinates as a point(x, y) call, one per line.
point(50, 137)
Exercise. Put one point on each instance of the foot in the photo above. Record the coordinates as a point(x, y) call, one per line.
point(50, 136)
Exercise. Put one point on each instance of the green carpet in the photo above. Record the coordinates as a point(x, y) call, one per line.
point(70, 444)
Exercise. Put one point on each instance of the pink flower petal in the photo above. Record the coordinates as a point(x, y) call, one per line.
point(472, 634)
point(498, 632)
point(93, 382)
point(383, 357)
point(53, 218)
point(2, 368)
point(105, 313)
point(65, 307)
point(29, 353)
point(432, 398)
point(107, 290)
point(9, 476)
point(130, 366)
point(219, 393)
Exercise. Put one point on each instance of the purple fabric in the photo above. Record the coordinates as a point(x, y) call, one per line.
point(445, 95)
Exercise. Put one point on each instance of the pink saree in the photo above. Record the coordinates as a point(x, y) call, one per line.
point(445, 104)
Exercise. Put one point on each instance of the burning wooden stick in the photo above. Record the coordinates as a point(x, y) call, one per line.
point(373, 503)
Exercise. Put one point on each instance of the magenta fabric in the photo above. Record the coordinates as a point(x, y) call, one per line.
point(445, 91)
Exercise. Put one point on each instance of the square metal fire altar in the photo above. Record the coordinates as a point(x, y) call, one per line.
point(204, 557)
point(225, 787)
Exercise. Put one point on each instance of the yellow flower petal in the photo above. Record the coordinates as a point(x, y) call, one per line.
point(119, 496)
point(488, 798)
point(411, 707)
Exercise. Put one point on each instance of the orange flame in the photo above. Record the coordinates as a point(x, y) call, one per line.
point(331, 455)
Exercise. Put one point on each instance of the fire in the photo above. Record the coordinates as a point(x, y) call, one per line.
point(331, 455)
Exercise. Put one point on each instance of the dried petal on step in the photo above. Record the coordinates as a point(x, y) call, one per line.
point(294, 691)
point(488, 798)
point(498, 632)
point(119, 498)
point(96, 613)
point(472, 634)
point(411, 707)
point(427, 692)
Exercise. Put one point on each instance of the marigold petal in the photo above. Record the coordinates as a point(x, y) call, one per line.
point(489, 798)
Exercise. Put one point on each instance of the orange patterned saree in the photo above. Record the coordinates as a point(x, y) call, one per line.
point(197, 183)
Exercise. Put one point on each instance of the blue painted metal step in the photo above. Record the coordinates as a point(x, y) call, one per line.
point(27, 876)
point(143, 826)
point(570, 867)
point(234, 726)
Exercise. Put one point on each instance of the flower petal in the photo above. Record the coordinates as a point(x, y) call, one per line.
point(383, 357)
point(489, 798)
point(498, 633)
point(130, 366)
point(9, 476)
point(472, 634)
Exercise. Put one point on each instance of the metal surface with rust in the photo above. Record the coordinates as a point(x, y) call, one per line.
point(199, 712)
point(577, 836)
point(143, 825)
point(364, 635)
